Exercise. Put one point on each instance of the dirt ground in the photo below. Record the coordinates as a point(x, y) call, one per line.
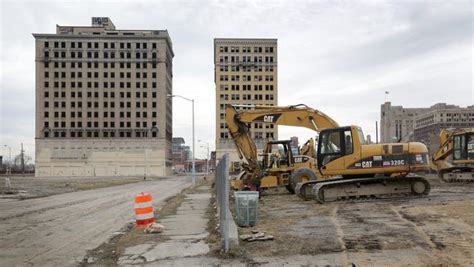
point(437, 230)
point(26, 187)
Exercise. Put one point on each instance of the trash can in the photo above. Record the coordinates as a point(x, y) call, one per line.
point(246, 208)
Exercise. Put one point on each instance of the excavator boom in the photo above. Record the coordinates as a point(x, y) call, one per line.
point(297, 115)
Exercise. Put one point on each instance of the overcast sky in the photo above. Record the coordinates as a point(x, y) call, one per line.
point(336, 56)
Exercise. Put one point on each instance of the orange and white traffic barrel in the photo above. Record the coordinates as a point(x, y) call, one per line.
point(144, 209)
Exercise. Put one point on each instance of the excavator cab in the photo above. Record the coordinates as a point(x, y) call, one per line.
point(454, 159)
point(278, 154)
point(463, 146)
point(333, 145)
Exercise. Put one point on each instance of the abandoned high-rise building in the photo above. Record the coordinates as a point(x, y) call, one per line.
point(245, 73)
point(101, 101)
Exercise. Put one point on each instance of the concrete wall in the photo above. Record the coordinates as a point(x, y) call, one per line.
point(102, 157)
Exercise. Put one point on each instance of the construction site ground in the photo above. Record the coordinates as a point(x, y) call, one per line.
point(436, 230)
point(28, 186)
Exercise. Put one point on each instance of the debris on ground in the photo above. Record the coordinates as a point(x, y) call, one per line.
point(153, 228)
point(258, 236)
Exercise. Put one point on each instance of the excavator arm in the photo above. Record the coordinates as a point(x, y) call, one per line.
point(438, 160)
point(297, 115)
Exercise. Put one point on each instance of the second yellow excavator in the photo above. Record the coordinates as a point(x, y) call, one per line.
point(344, 167)
point(458, 143)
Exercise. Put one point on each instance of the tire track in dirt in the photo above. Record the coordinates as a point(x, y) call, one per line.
point(422, 233)
point(339, 236)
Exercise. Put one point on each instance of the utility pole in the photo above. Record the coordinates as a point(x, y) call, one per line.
point(22, 159)
point(376, 132)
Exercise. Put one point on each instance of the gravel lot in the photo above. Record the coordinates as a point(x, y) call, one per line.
point(433, 230)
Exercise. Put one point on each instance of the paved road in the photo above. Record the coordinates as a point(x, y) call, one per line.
point(57, 230)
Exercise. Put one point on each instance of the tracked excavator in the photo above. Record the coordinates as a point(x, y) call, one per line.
point(454, 160)
point(344, 166)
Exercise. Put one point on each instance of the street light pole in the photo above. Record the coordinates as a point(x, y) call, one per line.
point(194, 158)
point(194, 162)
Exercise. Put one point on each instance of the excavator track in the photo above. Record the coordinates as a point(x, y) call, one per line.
point(461, 174)
point(354, 188)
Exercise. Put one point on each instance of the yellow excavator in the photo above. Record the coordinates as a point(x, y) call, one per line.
point(344, 167)
point(454, 160)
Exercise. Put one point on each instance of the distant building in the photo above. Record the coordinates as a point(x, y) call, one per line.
point(245, 73)
point(397, 122)
point(429, 124)
point(101, 101)
point(178, 150)
point(368, 139)
point(181, 153)
point(422, 124)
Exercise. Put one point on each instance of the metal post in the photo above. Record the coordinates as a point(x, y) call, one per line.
point(376, 132)
point(22, 159)
point(194, 160)
point(9, 170)
point(207, 160)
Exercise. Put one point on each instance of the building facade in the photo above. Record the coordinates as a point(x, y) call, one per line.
point(441, 116)
point(245, 74)
point(397, 122)
point(101, 101)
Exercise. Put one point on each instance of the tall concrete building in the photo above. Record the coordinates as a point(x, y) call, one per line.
point(428, 125)
point(101, 101)
point(245, 73)
point(397, 122)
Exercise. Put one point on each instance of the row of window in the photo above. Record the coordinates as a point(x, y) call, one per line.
point(95, 124)
point(96, 104)
point(250, 125)
point(256, 78)
point(245, 87)
point(104, 55)
point(97, 134)
point(246, 49)
point(223, 106)
point(105, 94)
point(224, 97)
point(245, 78)
point(122, 75)
point(143, 85)
point(95, 65)
point(98, 45)
point(95, 114)
point(237, 68)
point(245, 59)
point(256, 135)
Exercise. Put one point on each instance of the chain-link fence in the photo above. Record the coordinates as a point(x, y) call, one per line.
point(222, 195)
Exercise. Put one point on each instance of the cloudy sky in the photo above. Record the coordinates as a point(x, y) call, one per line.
point(336, 56)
